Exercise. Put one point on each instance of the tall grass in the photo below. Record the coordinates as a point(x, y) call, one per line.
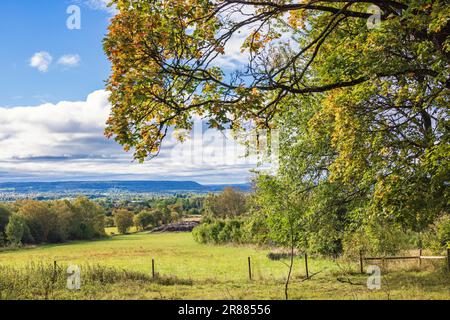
point(44, 281)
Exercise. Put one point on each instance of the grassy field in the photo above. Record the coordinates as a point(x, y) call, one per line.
point(120, 268)
point(113, 230)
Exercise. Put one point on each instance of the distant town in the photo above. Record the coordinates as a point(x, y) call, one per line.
point(115, 190)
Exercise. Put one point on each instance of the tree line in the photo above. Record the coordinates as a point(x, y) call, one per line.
point(263, 217)
point(35, 222)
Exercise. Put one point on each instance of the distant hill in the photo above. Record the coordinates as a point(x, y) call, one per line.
point(114, 186)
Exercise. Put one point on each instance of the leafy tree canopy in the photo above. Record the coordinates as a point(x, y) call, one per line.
point(165, 58)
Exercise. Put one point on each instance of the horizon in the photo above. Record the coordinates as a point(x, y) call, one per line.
point(120, 181)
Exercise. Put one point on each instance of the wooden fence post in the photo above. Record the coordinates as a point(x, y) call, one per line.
point(249, 268)
point(55, 271)
point(153, 268)
point(448, 259)
point(306, 265)
point(361, 262)
point(420, 257)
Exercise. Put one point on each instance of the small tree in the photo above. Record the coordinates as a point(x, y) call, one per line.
point(229, 204)
point(283, 209)
point(15, 229)
point(123, 220)
point(144, 219)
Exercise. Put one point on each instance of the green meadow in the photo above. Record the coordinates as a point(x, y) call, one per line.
point(120, 267)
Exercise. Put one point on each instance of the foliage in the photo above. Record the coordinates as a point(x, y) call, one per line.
point(15, 230)
point(82, 219)
point(87, 219)
point(144, 220)
point(42, 221)
point(109, 222)
point(4, 218)
point(123, 220)
point(55, 221)
point(378, 238)
point(370, 146)
point(219, 232)
point(228, 204)
point(166, 67)
point(437, 237)
point(443, 231)
point(362, 112)
point(283, 210)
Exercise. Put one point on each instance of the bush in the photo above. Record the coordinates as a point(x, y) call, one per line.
point(443, 231)
point(376, 238)
point(219, 231)
point(200, 233)
point(437, 237)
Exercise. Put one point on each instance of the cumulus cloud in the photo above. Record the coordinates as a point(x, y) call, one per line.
point(69, 60)
point(51, 129)
point(41, 61)
point(101, 5)
point(65, 141)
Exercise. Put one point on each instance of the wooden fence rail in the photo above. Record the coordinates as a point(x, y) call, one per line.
point(420, 257)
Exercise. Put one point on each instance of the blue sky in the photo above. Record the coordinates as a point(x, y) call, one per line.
point(30, 26)
point(53, 105)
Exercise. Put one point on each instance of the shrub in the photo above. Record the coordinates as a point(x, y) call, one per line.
point(377, 238)
point(200, 233)
point(443, 231)
point(437, 236)
point(219, 231)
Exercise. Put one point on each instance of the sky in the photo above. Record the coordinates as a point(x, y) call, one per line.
point(53, 105)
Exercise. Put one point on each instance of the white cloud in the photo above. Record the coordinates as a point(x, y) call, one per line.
point(101, 5)
point(65, 141)
point(69, 60)
point(41, 61)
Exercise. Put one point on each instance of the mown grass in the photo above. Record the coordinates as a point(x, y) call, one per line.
point(120, 268)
